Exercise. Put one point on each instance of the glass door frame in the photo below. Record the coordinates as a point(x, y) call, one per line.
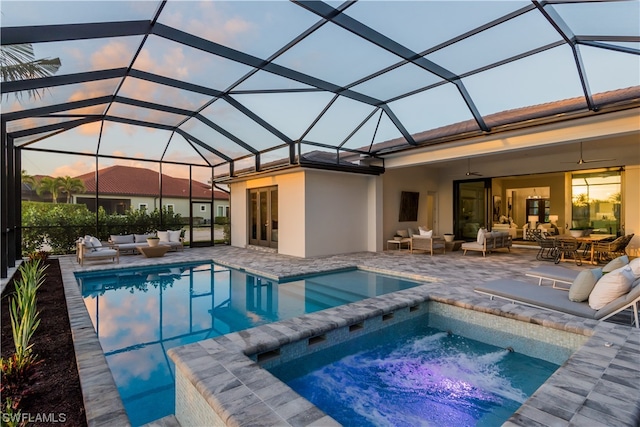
point(483, 214)
point(208, 223)
point(262, 227)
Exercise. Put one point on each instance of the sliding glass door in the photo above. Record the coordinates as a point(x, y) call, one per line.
point(471, 207)
point(263, 217)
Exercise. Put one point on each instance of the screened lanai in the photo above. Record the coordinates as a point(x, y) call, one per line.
point(238, 88)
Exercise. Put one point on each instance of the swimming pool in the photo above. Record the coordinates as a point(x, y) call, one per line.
point(139, 314)
point(413, 374)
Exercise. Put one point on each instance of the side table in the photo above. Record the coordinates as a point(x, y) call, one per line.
point(453, 246)
point(405, 240)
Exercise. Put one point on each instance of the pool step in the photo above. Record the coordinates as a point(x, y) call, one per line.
point(168, 421)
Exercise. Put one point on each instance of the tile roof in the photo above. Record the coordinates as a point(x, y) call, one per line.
point(132, 181)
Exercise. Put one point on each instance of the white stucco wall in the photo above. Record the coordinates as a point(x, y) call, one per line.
point(320, 212)
point(291, 211)
point(337, 216)
point(415, 179)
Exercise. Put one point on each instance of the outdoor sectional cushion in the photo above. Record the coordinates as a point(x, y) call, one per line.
point(163, 236)
point(142, 238)
point(555, 273)
point(549, 298)
point(127, 238)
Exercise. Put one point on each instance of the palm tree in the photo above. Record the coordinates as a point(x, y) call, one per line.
point(17, 62)
point(70, 185)
point(27, 179)
point(50, 185)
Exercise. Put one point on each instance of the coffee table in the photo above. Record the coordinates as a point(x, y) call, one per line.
point(153, 251)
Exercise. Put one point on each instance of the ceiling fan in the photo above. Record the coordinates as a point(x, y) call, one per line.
point(582, 161)
point(469, 173)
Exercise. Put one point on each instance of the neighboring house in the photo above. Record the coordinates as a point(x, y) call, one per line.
point(124, 187)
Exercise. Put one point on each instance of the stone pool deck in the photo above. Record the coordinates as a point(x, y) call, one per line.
point(599, 385)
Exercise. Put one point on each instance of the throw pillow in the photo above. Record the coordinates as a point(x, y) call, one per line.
point(425, 233)
point(635, 267)
point(163, 235)
point(118, 240)
point(174, 236)
point(141, 238)
point(584, 284)
point(87, 241)
point(480, 238)
point(615, 264)
point(611, 286)
point(95, 242)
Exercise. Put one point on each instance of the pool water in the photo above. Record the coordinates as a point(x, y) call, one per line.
point(412, 374)
point(139, 314)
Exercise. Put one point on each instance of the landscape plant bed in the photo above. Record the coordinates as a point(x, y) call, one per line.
point(53, 392)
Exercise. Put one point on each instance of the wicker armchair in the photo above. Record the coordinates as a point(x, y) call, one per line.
point(548, 248)
point(609, 250)
point(567, 248)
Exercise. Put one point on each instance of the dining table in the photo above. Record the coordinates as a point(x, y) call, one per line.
point(590, 240)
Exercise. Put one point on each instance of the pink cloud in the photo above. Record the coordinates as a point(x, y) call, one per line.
point(78, 168)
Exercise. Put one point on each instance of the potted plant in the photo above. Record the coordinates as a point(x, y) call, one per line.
point(448, 237)
point(153, 241)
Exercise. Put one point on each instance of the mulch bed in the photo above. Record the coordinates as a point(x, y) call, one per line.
point(55, 386)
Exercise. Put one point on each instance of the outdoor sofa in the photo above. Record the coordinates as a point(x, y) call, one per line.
point(129, 242)
point(619, 290)
point(488, 241)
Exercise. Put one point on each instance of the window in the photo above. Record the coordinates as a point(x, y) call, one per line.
point(220, 211)
point(203, 208)
point(143, 206)
point(170, 207)
point(226, 210)
point(596, 201)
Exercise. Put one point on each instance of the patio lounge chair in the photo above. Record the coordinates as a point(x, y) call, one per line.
point(549, 299)
point(558, 274)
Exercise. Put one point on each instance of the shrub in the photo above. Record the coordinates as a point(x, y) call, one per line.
point(60, 225)
point(24, 321)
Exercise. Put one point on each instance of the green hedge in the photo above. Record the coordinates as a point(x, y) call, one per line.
point(60, 225)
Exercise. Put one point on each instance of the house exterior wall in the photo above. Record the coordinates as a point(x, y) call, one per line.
point(320, 212)
point(337, 212)
point(328, 212)
point(414, 179)
point(291, 211)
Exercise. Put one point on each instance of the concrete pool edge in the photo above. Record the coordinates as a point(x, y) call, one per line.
point(102, 402)
point(240, 379)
